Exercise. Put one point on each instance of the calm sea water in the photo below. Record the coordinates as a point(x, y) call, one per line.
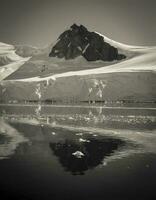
point(64, 152)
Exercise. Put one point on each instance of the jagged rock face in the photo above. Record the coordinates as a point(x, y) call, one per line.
point(79, 41)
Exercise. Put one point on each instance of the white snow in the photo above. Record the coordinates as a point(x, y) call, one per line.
point(142, 63)
point(102, 84)
point(96, 83)
point(6, 70)
point(47, 82)
point(38, 110)
point(69, 44)
point(144, 60)
point(8, 51)
point(5, 47)
point(99, 93)
point(125, 46)
point(38, 91)
point(90, 90)
point(15, 138)
point(53, 78)
point(85, 48)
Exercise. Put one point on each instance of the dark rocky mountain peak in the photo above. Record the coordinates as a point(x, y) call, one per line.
point(78, 41)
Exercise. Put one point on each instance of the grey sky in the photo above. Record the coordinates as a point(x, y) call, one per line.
point(39, 22)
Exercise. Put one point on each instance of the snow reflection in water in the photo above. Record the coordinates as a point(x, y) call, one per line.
point(10, 138)
point(80, 138)
point(98, 146)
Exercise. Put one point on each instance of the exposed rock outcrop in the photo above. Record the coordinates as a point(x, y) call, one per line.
point(79, 41)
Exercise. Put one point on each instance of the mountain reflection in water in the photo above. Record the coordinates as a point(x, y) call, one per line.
point(112, 152)
point(102, 135)
point(94, 150)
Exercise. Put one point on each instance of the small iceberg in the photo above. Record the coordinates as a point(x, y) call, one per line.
point(95, 135)
point(78, 154)
point(83, 140)
point(80, 134)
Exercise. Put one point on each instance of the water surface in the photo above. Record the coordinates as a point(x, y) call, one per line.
point(49, 152)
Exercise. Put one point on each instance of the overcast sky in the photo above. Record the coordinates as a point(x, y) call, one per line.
point(40, 22)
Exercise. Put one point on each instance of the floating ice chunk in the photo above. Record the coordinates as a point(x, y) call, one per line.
point(71, 118)
point(95, 135)
point(104, 163)
point(53, 133)
point(79, 134)
point(87, 119)
point(83, 140)
point(78, 154)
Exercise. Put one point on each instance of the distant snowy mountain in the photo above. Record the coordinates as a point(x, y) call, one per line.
point(7, 54)
point(26, 51)
point(9, 60)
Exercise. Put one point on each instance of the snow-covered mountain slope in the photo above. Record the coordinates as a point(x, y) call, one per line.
point(143, 59)
point(107, 87)
point(127, 47)
point(9, 60)
point(10, 68)
point(7, 54)
point(44, 78)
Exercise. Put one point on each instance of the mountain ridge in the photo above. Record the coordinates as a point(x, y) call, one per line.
point(54, 79)
point(78, 41)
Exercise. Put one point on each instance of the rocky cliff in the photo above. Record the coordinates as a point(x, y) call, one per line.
point(78, 41)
